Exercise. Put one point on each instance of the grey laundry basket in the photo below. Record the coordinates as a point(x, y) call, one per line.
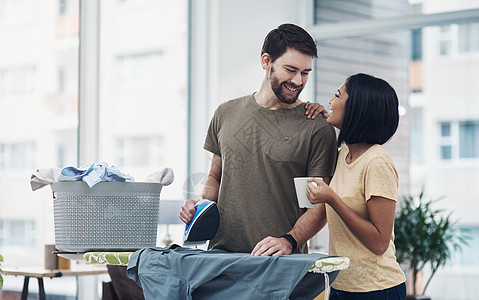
point(111, 216)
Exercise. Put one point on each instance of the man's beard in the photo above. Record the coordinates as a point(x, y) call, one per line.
point(277, 88)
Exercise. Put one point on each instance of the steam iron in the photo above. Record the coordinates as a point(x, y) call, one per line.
point(204, 225)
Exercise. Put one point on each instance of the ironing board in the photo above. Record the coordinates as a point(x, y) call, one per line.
point(323, 265)
point(326, 267)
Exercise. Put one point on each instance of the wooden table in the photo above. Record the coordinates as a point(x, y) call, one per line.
point(40, 273)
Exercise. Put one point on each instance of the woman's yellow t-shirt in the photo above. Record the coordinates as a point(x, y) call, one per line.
point(372, 174)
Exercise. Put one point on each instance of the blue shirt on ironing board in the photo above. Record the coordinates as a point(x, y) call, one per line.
point(185, 273)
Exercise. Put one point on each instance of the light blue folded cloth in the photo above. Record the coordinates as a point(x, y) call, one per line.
point(93, 173)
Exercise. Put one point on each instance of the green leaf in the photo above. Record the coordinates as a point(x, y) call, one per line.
point(1, 272)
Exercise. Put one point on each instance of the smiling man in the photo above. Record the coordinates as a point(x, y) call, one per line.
point(260, 142)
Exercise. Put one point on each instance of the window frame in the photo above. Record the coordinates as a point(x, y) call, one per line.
point(453, 141)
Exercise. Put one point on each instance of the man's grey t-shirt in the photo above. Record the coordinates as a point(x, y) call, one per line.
point(262, 151)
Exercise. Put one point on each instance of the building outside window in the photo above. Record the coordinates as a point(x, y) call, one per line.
point(18, 156)
point(18, 81)
point(458, 39)
point(140, 151)
point(17, 12)
point(446, 141)
point(446, 40)
point(468, 37)
point(468, 258)
point(459, 140)
point(469, 139)
point(17, 233)
point(140, 71)
point(449, 125)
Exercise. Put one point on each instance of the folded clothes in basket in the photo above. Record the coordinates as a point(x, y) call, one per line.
point(93, 173)
point(43, 177)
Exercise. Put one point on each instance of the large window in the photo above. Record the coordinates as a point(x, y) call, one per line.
point(440, 101)
point(143, 84)
point(385, 55)
point(142, 103)
point(38, 119)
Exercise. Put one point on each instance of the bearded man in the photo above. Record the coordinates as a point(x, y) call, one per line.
point(260, 142)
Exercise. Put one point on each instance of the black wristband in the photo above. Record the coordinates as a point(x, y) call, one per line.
point(291, 239)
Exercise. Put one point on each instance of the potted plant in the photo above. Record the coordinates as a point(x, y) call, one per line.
point(1, 272)
point(424, 236)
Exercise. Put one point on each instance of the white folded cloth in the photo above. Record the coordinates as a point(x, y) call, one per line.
point(165, 176)
point(43, 177)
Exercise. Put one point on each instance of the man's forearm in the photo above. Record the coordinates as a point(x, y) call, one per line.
point(211, 189)
point(310, 223)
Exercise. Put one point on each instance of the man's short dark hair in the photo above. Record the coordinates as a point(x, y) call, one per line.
point(287, 36)
point(371, 112)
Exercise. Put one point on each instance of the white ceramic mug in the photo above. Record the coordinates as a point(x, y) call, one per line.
point(300, 184)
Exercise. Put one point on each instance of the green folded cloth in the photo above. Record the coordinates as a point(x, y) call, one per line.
point(330, 264)
point(111, 258)
point(327, 265)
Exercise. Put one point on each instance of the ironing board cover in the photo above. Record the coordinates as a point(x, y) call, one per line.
point(110, 258)
point(322, 265)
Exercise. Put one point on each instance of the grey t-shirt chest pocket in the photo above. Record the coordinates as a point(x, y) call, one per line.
point(281, 147)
